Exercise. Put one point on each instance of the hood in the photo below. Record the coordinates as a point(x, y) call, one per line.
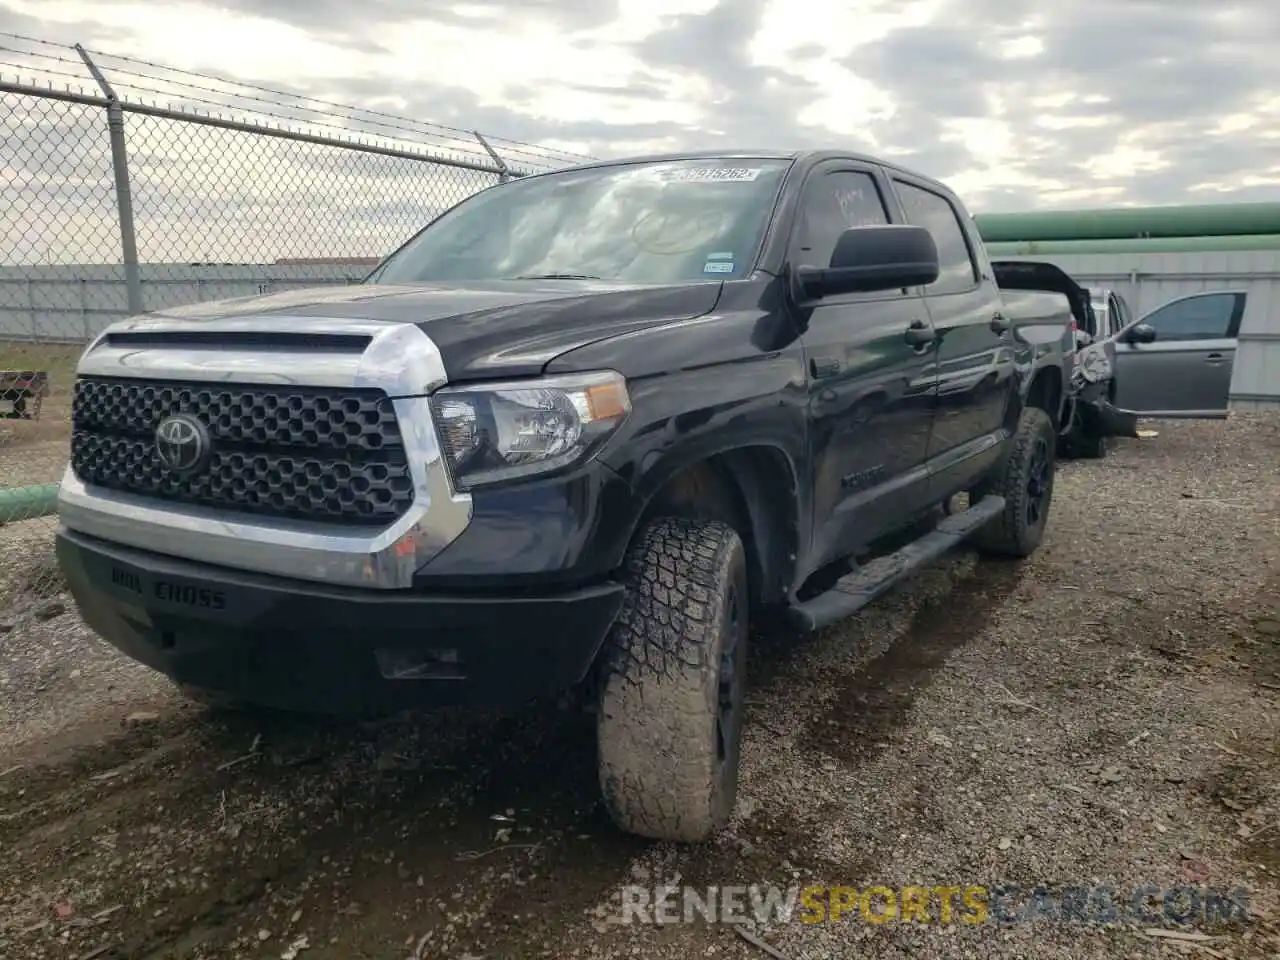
point(499, 328)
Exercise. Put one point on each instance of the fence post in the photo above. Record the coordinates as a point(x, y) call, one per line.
point(84, 310)
point(124, 194)
point(504, 172)
point(31, 309)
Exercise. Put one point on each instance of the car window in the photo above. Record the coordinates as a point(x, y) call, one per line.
point(833, 203)
point(1115, 317)
point(1121, 318)
point(1206, 316)
point(654, 222)
point(934, 212)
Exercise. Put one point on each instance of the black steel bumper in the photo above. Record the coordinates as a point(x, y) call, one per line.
point(301, 646)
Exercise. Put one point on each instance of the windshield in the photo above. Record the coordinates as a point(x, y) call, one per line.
point(663, 222)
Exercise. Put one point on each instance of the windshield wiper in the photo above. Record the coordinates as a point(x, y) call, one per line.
point(556, 276)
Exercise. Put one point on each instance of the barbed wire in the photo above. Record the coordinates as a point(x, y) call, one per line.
point(404, 129)
point(452, 146)
point(512, 146)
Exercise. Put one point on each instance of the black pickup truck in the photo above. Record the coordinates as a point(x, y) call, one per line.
point(573, 434)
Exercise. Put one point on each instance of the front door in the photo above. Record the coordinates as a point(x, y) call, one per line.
point(871, 393)
point(1186, 370)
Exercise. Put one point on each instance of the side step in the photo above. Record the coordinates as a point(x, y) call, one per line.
point(854, 591)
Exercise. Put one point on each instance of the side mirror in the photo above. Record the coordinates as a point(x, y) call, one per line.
point(866, 259)
point(1141, 333)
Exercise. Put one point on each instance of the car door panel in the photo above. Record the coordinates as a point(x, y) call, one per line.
point(975, 362)
point(871, 394)
point(1186, 370)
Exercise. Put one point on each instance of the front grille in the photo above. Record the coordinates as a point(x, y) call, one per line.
point(307, 453)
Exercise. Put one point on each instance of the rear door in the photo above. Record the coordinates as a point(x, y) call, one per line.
point(974, 353)
point(1186, 370)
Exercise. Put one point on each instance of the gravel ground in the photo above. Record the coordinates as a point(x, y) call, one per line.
point(1102, 714)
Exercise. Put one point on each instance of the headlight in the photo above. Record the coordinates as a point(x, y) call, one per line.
point(502, 431)
point(1092, 363)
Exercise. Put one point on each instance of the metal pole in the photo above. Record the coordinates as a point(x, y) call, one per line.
point(124, 194)
point(31, 309)
point(84, 309)
point(124, 199)
point(259, 129)
point(504, 172)
point(28, 503)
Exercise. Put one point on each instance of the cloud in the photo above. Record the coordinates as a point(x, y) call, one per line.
point(1115, 101)
point(1015, 103)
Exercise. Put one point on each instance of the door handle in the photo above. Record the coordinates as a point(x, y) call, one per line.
point(999, 324)
point(1214, 358)
point(919, 335)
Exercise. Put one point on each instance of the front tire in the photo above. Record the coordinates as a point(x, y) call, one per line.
point(1090, 445)
point(1024, 477)
point(673, 693)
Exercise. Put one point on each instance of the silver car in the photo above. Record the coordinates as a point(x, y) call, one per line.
point(1175, 361)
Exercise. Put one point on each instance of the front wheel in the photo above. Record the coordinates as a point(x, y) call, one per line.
point(1024, 477)
point(669, 726)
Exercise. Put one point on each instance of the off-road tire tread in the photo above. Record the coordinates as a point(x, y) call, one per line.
point(1008, 534)
point(656, 725)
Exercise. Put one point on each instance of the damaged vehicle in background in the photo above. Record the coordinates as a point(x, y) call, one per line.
point(1090, 415)
point(1177, 361)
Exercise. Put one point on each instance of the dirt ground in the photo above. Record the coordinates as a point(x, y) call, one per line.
point(1104, 714)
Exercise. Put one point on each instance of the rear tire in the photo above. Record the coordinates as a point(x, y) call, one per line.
point(1024, 477)
point(672, 699)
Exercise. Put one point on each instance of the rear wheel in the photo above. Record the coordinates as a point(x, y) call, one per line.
point(672, 699)
point(1024, 477)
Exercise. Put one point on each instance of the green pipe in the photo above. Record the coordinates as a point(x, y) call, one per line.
point(27, 503)
point(1157, 245)
point(1204, 220)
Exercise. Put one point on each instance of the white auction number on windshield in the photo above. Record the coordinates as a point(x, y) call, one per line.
point(712, 174)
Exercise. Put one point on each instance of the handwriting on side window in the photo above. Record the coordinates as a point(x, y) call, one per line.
point(855, 209)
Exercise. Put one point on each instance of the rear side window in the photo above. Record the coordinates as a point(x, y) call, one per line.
point(1205, 316)
point(834, 202)
point(935, 213)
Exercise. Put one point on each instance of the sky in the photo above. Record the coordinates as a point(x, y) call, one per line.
point(1016, 104)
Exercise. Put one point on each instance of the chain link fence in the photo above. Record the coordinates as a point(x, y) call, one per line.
point(114, 202)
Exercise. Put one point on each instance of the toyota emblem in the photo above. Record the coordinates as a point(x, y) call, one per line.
point(182, 443)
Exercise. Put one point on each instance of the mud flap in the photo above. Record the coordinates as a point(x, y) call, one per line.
point(1104, 418)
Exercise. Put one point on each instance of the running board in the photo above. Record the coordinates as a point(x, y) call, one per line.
point(854, 591)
